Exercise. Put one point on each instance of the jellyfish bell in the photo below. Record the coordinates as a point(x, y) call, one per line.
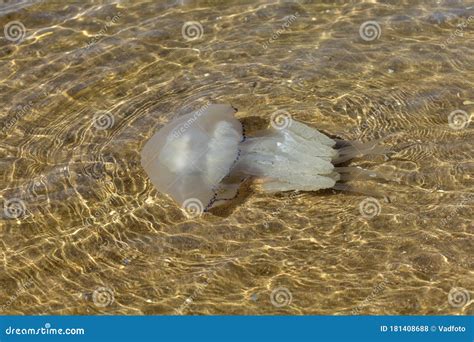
point(188, 158)
point(200, 159)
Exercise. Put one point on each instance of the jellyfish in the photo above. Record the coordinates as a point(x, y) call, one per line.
point(201, 158)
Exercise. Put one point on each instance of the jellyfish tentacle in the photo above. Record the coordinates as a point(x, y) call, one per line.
point(294, 158)
point(350, 149)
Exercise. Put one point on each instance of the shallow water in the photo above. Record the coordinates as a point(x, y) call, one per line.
point(84, 86)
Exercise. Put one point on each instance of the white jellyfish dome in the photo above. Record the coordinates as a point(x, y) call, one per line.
point(188, 157)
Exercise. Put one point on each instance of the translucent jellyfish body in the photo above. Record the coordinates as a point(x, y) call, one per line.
point(199, 156)
point(188, 158)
